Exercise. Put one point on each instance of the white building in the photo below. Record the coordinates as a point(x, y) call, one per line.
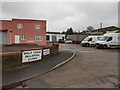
point(54, 37)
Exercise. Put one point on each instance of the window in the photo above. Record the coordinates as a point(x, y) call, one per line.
point(19, 25)
point(103, 38)
point(47, 37)
point(90, 39)
point(38, 38)
point(23, 37)
point(37, 26)
point(109, 39)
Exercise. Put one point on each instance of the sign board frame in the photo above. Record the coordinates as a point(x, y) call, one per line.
point(46, 52)
point(31, 55)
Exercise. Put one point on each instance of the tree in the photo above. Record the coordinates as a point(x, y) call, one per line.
point(63, 32)
point(90, 28)
point(69, 31)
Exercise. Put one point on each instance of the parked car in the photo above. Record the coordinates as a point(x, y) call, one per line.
point(61, 41)
point(90, 41)
point(109, 40)
point(68, 41)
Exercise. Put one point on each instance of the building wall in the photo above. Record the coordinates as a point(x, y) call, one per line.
point(77, 37)
point(28, 30)
point(58, 36)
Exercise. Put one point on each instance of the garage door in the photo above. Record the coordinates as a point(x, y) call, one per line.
point(3, 37)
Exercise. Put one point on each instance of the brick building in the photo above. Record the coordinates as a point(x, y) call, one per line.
point(23, 31)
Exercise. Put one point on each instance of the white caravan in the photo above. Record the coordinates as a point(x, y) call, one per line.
point(109, 40)
point(89, 41)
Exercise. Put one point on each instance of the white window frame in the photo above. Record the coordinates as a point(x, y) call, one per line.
point(38, 38)
point(37, 26)
point(23, 37)
point(19, 25)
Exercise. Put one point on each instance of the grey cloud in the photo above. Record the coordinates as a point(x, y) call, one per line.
point(63, 15)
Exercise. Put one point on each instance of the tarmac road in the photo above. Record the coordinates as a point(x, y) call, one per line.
point(34, 68)
point(91, 68)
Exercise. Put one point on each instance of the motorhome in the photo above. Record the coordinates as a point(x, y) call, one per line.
point(109, 40)
point(90, 41)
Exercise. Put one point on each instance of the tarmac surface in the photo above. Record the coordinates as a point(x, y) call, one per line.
point(34, 69)
point(90, 68)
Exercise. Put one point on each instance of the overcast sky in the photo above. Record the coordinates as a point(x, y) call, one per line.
point(62, 15)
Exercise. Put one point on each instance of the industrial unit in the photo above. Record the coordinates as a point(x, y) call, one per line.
point(55, 37)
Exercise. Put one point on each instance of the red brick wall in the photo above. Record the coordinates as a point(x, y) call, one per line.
point(28, 30)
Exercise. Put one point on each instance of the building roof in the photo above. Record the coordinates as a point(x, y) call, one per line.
point(5, 20)
point(29, 19)
point(102, 30)
point(53, 32)
point(111, 28)
point(22, 20)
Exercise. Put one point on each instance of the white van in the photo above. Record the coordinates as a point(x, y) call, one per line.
point(89, 41)
point(109, 40)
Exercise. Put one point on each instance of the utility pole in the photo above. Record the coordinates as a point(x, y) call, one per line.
point(101, 25)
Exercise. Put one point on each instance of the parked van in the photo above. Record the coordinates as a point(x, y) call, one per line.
point(90, 41)
point(109, 40)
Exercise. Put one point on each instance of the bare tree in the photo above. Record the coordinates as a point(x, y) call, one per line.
point(90, 28)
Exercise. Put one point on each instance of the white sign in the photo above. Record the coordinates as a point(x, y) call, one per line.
point(46, 51)
point(29, 56)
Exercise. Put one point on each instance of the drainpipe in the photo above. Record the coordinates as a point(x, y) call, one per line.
point(10, 37)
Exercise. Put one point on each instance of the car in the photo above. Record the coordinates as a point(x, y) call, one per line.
point(68, 41)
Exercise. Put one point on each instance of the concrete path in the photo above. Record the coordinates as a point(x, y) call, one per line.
point(34, 69)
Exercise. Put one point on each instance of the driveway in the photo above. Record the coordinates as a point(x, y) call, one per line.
point(34, 69)
point(91, 68)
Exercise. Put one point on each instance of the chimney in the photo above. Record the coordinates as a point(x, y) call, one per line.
point(101, 25)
